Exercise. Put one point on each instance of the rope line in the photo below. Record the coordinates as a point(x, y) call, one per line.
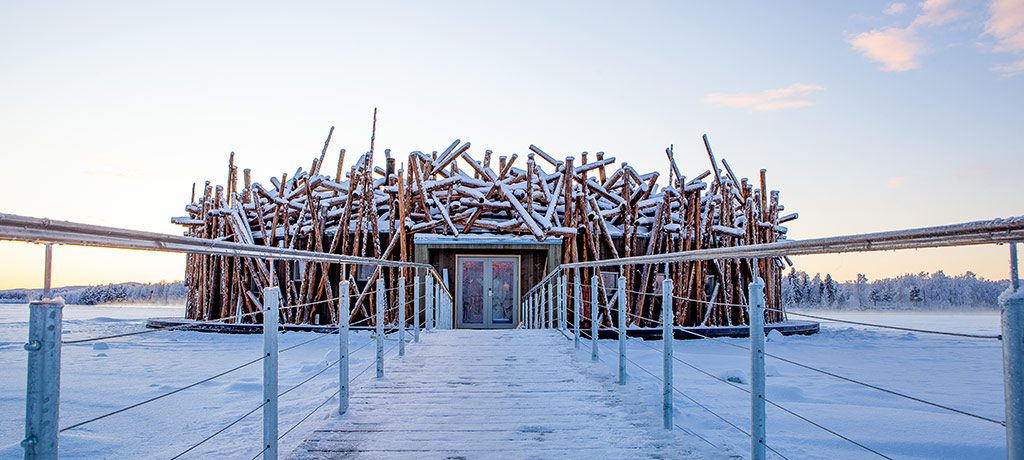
point(824, 318)
point(314, 339)
point(898, 328)
point(862, 446)
point(239, 419)
point(261, 358)
point(372, 363)
point(329, 398)
point(321, 371)
point(851, 380)
point(676, 390)
point(157, 329)
point(694, 401)
point(315, 302)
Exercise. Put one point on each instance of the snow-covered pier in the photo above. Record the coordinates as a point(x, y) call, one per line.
point(494, 394)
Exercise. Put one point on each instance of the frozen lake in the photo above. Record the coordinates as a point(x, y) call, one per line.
point(97, 378)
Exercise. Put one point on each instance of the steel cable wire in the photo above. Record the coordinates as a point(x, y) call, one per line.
point(694, 401)
point(178, 390)
point(218, 320)
point(321, 371)
point(862, 446)
point(249, 363)
point(851, 380)
point(156, 329)
point(233, 423)
point(329, 398)
point(898, 328)
point(837, 320)
point(314, 339)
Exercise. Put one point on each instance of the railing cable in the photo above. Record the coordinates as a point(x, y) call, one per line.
point(851, 380)
point(261, 358)
point(692, 400)
point(329, 398)
point(862, 446)
point(157, 329)
point(233, 423)
point(898, 328)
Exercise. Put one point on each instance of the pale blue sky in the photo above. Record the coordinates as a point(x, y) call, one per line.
point(879, 121)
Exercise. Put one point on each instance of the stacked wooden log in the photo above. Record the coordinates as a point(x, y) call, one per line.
point(598, 208)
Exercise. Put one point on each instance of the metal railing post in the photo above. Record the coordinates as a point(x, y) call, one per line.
point(757, 377)
point(565, 302)
point(622, 329)
point(529, 311)
point(541, 303)
point(550, 307)
point(1011, 304)
point(562, 302)
point(595, 311)
point(47, 272)
point(428, 302)
point(343, 329)
point(534, 310)
point(416, 308)
point(449, 322)
point(401, 316)
point(576, 310)
point(435, 306)
point(271, 308)
point(381, 306)
point(556, 294)
point(441, 305)
point(42, 391)
point(540, 298)
point(542, 306)
point(668, 339)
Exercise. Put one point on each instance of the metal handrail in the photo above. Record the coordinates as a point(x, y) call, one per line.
point(36, 230)
point(964, 234)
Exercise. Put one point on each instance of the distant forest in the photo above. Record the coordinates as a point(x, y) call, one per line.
point(162, 293)
point(923, 291)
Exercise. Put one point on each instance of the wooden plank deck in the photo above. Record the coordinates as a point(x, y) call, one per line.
point(494, 394)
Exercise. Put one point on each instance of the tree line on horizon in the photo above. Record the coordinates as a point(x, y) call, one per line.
point(163, 292)
point(921, 291)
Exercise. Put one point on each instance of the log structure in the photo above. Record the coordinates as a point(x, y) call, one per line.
point(596, 207)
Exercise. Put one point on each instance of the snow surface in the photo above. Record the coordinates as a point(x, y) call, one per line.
point(99, 377)
point(501, 394)
point(959, 372)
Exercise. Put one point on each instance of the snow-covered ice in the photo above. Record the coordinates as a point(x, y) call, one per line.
point(99, 377)
point(963, 373)
point(960, 372)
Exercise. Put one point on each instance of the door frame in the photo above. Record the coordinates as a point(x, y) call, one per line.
point(457, 308)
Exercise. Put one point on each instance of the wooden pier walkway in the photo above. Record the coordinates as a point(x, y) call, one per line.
point(494, 394)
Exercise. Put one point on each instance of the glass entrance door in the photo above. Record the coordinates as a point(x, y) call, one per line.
point(487, 292)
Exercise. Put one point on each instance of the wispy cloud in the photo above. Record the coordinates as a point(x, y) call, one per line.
point(896, 48)
point(1006, 25)
point(895, 8)
point(897, 182)
point(936, 13)
point(1009, 69)
point(770, 100)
